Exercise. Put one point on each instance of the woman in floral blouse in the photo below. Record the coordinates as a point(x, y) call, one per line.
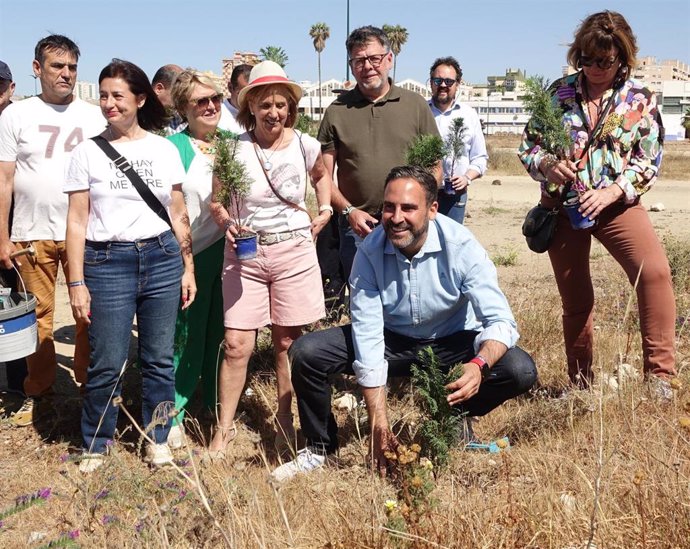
point(613, 162)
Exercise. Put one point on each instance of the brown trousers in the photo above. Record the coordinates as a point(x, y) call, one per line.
point(39, 273)
point(628, 235)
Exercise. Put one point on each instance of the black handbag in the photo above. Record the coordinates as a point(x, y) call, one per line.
point(539, 227)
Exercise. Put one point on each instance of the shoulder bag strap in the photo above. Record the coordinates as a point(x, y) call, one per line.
point(270, 183)
point(122, 164)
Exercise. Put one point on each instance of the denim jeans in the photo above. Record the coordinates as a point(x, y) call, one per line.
point(124, 279)
point(453, 205)
point(318, 355)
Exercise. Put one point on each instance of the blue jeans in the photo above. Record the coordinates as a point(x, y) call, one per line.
point(453, 205)
point(124, 279)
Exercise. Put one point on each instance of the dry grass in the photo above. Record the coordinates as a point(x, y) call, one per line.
point(503, 159)
point(540, 494)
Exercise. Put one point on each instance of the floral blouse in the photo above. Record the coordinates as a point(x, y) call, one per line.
point(629, 147)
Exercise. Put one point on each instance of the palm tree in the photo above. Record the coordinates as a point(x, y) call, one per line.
point(686, 122)
point(397, 36)
point(275, 54)
point(319, 32)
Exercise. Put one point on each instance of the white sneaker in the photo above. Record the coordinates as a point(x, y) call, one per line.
point(90, 462)
point(305, 462)
point(158, 455)
point(176, 437)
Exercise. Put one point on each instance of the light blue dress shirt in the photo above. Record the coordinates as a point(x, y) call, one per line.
point(449, 286)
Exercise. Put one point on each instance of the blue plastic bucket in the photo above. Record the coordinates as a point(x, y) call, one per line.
point(18, 329)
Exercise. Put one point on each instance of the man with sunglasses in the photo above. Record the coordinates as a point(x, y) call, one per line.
point(445, 75)
point(365, 132)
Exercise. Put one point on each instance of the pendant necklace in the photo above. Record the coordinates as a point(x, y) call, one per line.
point(267, 159)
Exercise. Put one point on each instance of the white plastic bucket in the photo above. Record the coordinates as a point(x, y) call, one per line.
point(18, 330)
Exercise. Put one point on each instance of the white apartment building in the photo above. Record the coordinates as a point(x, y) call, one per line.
point(88, 91)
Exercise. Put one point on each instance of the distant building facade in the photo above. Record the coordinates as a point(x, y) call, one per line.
point(238, 58)
point(87, 91)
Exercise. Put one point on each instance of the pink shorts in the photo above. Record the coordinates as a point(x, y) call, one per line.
point(282, 286)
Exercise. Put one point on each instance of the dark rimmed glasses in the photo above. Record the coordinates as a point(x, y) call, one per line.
point(604, 63)
point(203, 102)
point(374, 60)
point(448, 82)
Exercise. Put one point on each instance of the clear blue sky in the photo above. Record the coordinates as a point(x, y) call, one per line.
point(486, 36)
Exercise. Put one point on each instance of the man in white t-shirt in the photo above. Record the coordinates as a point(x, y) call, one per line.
point(37, 136)
point(230, 108)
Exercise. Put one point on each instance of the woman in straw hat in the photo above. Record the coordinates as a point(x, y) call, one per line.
point(281, 287)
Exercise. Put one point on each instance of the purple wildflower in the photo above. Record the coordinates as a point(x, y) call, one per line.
point(44, 493)
point(1, 524)
point(108, 519)
point(139, 526)
point(102, 494)
point(108, 443)
point(74, 534)
point(64, 458)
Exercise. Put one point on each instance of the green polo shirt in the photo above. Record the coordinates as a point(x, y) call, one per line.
point(370, 139)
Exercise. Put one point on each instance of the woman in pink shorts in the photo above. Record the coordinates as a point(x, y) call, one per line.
point(281, 287)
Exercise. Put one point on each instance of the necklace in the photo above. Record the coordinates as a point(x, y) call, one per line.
point(267, 159)
point(206, 148)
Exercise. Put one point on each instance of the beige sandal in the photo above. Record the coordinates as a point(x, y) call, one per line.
point(228, 434)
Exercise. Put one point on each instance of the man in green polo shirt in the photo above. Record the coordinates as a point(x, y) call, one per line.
point(366, 132)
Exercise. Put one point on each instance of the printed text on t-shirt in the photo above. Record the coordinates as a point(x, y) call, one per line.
point(144, 169)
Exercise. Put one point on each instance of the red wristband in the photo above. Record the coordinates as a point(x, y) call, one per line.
point(480, 361)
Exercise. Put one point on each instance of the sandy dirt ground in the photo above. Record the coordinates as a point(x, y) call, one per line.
point(497, 206)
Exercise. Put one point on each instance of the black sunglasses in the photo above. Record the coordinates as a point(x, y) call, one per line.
point(448, 82)
point(203, 102)
point(604, 63)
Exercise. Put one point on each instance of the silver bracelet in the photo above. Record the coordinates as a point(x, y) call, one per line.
point(76, 283)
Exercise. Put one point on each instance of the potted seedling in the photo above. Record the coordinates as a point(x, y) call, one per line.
point(425, 151)
point(554, 138)
point(455, 148)
point(235, 184)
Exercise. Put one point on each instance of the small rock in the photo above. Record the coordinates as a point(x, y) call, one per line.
point(568, 501)
point(496, 182)
point(35, 537)
point(626, 372)
point(492, 462)
point(657, 207)
point(346, 402)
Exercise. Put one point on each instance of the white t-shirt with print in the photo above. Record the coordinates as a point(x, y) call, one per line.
point(40, 137)
point(266, 212)
point(116, 210)
point(197, 189)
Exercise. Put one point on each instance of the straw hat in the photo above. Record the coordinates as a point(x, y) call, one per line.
point(265, 74)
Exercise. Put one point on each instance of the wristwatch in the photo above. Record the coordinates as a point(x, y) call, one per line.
point(348, 210)
point(326, 208)
point(480, 361)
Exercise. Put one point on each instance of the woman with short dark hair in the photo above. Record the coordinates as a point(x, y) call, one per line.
point(617, 144)
point(127, 259)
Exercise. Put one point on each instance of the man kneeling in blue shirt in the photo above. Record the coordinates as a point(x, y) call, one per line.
point(419, 280)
